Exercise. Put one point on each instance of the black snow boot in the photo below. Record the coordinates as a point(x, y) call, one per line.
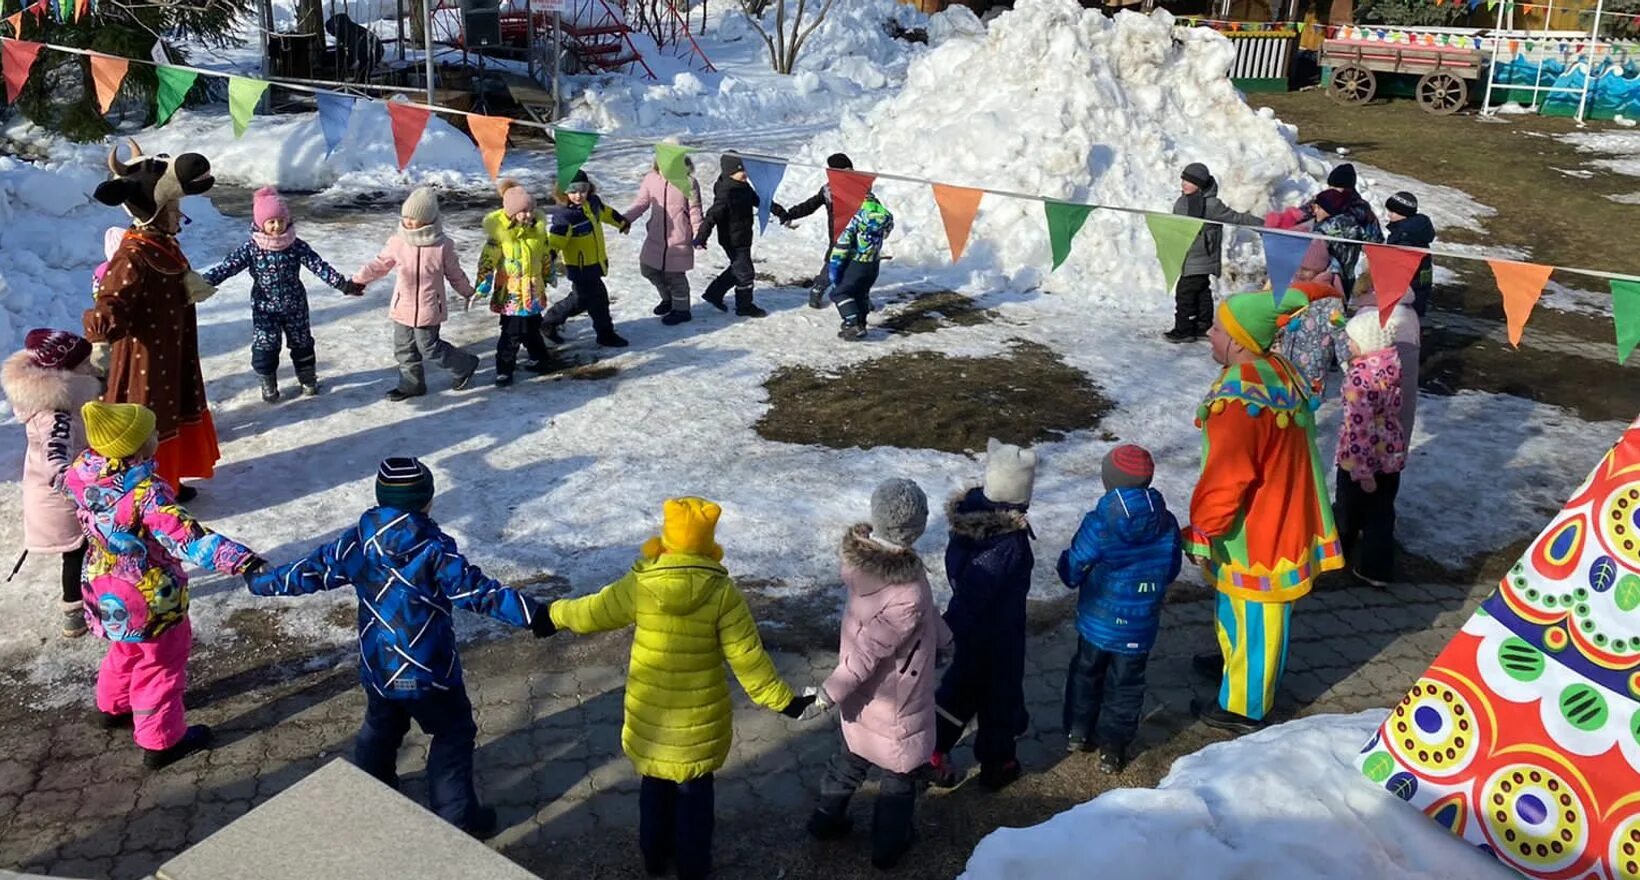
point(306, 372)
point(892, 829)
point(830, 820)
point(270, 387)
point(197, 738)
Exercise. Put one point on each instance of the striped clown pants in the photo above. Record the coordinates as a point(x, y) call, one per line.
point(1253, 640)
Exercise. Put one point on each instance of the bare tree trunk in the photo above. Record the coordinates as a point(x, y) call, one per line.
point(418, 24)
point(786, 43)
point(310, 21)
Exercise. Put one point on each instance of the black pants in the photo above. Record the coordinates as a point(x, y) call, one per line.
point(1104, 692)
point(853, 294)
point(519, 330)
point(1366, 524)
point(740, 275)
point(73, 565)
point(986, 686)
point(892, 815)
point(822, 280)
point(675, 825)
point(1193, 304)
point(447, 717)
point(587, 294)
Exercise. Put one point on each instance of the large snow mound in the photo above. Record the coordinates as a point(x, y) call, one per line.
point(1284, 802)
point(1068, 103)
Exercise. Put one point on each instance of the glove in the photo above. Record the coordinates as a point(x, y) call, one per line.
point(199, 290)
point(798, 705)
point(818, 708)
point(542, 624)
point(252, 566)
point(353, 288)
point(101, 352)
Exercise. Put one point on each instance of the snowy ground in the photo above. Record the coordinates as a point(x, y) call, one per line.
point(1284, 802)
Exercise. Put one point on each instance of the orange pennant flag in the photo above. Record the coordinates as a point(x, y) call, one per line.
point(108, 72)
point(1521, 284)
point(408, 124)
point(490, 132)
point(16, 22)
point(80, 6)
point(958, 205)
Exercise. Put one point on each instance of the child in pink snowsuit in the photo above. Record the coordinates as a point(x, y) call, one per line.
point(46, 383)
point(135, 591)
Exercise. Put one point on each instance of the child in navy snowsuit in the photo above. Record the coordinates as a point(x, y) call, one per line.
point(988, 562)
point(279, 306)
point(1122, 559)
point(1408, 227)
point(410, 576)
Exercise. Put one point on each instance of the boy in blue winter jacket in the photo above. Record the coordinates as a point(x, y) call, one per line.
point(409, 576)
point(1122, 559)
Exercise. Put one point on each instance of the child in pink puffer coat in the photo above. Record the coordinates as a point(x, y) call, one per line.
point(893, 640)
point(425, 258)
point(47, 383)
point(668, 245)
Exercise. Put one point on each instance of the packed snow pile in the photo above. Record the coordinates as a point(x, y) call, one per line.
point(1068, 103)
point(1284, 802)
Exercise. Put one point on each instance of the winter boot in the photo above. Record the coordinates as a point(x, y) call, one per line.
point(270, 387)
point(996, 777)
point(892, 829)
point(1215, 716)
point(111, 721)
point(550, 330)
point(1180, 335)
point(1208, 665)
point(716, 301)
point(1112, 759)
point(830, 820)
point(186, 494)
point(502, 380)
point(612, 340)
point(675, 317)
point(197, 738)
point(751, 310)
point(817, 293)
point(664, 309)
point(73, 620)
point(852, 332)
point(941, 772)
point(481, 822)
point(306, 372)
point(464, 376)
point(399, 394)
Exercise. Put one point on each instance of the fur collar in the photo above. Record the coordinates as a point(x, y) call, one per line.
point(879, 561)
point(988, 522)
point(32, 389)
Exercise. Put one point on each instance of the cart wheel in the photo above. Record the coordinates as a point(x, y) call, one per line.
point(1442, 93)
point(1352, 84)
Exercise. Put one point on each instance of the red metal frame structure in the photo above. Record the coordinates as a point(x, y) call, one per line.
point(598, 33)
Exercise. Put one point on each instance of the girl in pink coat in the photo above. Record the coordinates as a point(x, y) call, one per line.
point(892, 641)
point(47, 383)
point(668, 246)
point(426, 259)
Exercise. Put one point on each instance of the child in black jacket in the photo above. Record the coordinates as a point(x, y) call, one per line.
point(733, 214)
point(1408, 227)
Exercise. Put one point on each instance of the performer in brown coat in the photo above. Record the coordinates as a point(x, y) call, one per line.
point(144, 309)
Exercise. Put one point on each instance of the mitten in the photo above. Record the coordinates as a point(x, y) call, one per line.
point(818, 708)
point(101, 352)
point(199, 290)
point(797, 706)
point(353, 288)
point(542, 625)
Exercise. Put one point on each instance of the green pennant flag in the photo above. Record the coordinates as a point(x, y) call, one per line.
point(1626, 315)
point(573, 148)
point(174, 84)
point(243, 96)
point(669, 158)
point(1173, 234)
point(1065, 219)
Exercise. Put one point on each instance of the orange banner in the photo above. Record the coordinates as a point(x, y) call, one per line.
point(958, 205)
point(490, 132)
point(408, 124)
point(108, 74)
point(16, 22)
point(1521, 284)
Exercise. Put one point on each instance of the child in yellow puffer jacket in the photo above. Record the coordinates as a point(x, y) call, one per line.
point(515, 268)
point(690, 618)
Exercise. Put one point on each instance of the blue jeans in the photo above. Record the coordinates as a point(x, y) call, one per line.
point(675, 825)
point(447, 717)
point(1104, 692)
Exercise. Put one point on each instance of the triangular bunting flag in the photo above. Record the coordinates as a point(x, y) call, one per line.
point(958, 205)
point(672, 160)
point(1521, 284)
point(80, 6)
point(1064, 221)
point(1626, 315)
point(243, 96)
point(174, 84)
point(765, 177)
point(16, 57)
point(1392, 270)
point(848, 190)
point(39, 10)
point(1282, 256)
point(108, 73)
point(408, 123)
point(16, 22)
point(1173, 235)
point(573, 149)
point(334, 112)
point(490, 133)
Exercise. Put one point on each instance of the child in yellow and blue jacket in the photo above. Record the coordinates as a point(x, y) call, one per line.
point(515, 269)
point(575, 231)
point(689, 619)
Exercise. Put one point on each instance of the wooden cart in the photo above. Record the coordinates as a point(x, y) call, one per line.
point(1444, 72)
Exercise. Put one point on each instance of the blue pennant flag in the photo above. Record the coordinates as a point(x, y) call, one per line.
point(764, 177)
point(334, 112)
point(1282, 256)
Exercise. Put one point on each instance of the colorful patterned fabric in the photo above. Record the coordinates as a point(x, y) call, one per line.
point(1253, 642)
point(133, 582)
point(1370, 439)
point(276, 276)
point(863, 237)
point(1313, 340)
point(1523, 737)
point(516, 266)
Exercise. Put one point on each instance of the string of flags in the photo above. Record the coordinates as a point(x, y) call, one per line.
point(1392, 266)
point(59, 11)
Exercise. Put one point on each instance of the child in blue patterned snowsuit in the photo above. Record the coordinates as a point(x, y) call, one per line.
point(279, 307)
point(854, 264)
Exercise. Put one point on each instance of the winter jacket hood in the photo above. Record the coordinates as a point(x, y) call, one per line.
point(48, 403)
point(880, 563)
point(679, 583)
point(978, 518)
point(988, 561)
point(1135, 515)
point(32, 389)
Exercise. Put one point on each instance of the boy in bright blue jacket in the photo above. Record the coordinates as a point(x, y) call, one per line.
point(409, 576)
point(1122, 559)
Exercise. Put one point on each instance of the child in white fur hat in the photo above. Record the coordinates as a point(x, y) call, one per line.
point(1371, 449)
point(988, 562)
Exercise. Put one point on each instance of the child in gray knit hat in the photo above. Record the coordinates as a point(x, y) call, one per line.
point(892, 641)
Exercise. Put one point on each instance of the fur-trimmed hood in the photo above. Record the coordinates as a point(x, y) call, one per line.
point(881, 563)
point(976, 517)
point(33, 389)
